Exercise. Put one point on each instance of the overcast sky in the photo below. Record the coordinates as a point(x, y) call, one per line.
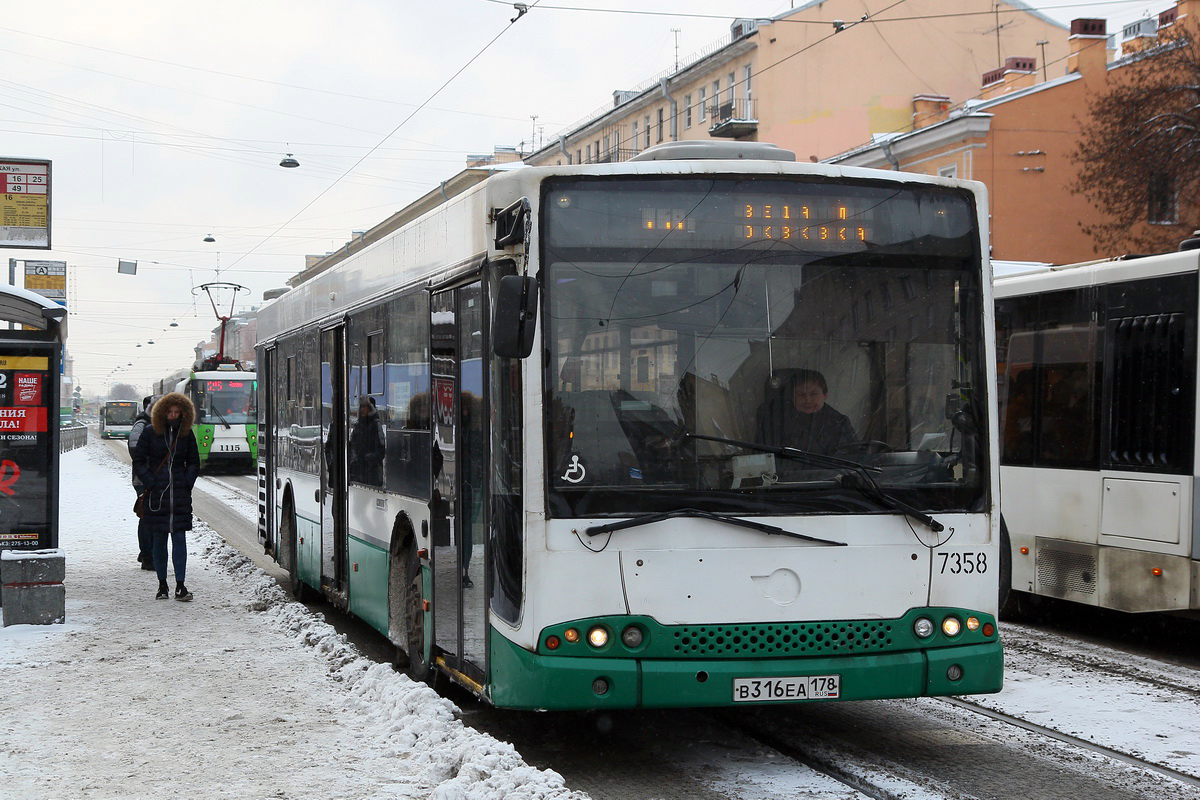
point(166, 122)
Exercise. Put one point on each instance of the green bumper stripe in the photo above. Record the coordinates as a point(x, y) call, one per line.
point(766, 640)
point(679, 671)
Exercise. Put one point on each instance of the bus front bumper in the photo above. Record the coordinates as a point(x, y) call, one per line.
point(526, 680)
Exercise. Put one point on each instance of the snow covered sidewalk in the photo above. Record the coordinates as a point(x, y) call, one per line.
point(238, 694)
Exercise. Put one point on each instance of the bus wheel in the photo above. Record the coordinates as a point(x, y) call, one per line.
point(417, 649)
point(287, 533)
point(1007, 607)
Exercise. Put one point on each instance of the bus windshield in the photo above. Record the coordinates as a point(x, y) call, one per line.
point(841, 320)
point(225, 402)
point(120, 413)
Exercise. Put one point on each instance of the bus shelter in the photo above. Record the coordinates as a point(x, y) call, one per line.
point(30, 367)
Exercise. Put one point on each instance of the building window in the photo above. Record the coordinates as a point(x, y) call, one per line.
point(716, 87)
point(660, 125)
point(948, 171)
point(589, 154)
point(647, 120)
point(746, 88)
point(702, 111)
point(608, 147)
point(1164, 200)
point(635, 136)
point(732, 80)
point(687, 111)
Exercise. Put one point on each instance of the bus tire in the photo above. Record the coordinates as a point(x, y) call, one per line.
point(1007, 606)
point(287, 533)
point(418, 651)
point(403, 537)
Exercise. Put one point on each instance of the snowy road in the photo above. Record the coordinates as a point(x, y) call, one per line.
point(244, 693)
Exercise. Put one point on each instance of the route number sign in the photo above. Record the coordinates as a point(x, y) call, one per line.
point(25, 204)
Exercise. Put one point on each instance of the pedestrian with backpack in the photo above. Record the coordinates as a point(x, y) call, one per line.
point(167, 462)
point(145, 540)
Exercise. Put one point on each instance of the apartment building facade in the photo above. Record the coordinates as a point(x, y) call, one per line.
point(1019, 136)
point(817, 79)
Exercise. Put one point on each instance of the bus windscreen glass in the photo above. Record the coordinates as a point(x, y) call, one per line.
point(120, 413)
point(226, 401)
point(843, 320)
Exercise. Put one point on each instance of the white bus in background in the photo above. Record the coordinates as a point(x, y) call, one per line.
point(1097, 375)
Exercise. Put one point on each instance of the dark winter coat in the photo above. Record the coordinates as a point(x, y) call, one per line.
point(168, 505)
point(782, 425)
point(367, 447)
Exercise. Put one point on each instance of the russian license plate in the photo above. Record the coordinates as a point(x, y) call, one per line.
point(761, 690)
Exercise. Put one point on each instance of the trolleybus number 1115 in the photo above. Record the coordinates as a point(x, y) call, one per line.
point(813, 687)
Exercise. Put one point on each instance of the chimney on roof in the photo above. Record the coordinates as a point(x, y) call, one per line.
point(1139, 36)
point(1018, 72)
point(1088, 47)
point(929, 109)
point(1173, 22)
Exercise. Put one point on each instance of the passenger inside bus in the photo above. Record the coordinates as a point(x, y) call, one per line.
point(797, 415)
point(367, 445)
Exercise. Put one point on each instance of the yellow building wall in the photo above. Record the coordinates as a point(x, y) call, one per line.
point(818, 91)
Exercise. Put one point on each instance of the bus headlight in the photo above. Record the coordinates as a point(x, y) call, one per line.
point(923, 628)
point(951, 626)
point(598, 636)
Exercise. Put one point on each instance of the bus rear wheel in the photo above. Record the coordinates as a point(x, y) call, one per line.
point(420, 666)
point(287, 533)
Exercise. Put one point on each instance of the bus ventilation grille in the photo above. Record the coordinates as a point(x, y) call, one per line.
point(1060, 572)
point(813, 638)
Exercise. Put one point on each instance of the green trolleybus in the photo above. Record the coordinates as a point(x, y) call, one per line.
point(226, 401)
point(547, 436)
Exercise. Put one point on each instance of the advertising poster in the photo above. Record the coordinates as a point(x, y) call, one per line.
point(26, 444)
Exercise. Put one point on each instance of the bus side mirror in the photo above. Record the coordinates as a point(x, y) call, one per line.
point(516, 316)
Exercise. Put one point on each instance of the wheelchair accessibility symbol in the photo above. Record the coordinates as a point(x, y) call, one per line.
point(575, 471)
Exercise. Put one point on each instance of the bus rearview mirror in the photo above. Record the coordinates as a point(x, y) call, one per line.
point(516, 316)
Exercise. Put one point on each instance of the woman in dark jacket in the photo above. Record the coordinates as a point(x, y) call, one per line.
point(167, 462)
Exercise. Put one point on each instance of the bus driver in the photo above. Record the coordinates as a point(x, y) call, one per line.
point(799, 417)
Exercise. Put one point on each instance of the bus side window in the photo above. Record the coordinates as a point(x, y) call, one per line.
point(406, 392)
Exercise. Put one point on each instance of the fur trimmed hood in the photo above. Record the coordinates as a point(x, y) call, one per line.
point(187, 416)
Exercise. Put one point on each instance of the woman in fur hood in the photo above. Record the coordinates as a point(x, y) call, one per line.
point(167, 462)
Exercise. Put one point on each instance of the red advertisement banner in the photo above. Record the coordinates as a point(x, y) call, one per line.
point(22, 420)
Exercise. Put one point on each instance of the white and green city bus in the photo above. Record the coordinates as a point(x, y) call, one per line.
point(116, 418)
point(226, 400)
point(559, 494)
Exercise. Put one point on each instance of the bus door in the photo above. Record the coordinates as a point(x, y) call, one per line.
point(333, 475)
point(458, 419)
point(443, 336)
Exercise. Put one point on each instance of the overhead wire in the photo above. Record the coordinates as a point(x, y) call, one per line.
point(282, 84)
point(404, 121)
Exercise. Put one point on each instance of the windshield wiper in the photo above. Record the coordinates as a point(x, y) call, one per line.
point(222, 416)
point(858, 477)
point(868, 487)
point(648, 519)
